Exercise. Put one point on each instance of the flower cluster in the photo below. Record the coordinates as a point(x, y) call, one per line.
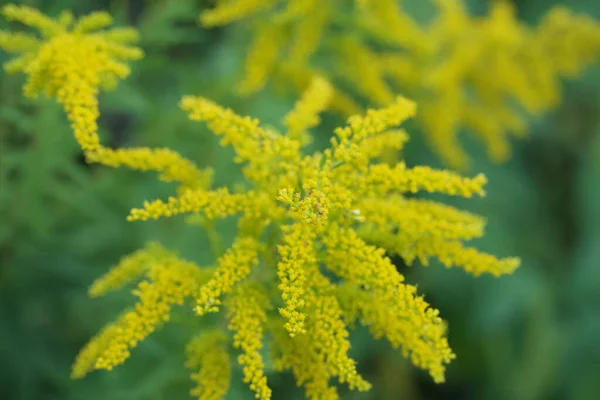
point(310, 257)
point(331, 213)
point(72, 60)
point(483, 74)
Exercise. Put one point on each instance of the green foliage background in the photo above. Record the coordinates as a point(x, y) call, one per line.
point(533, 335)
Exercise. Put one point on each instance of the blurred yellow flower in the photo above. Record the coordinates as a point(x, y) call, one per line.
point(483, 74)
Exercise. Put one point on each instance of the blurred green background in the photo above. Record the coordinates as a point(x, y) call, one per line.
point(533, 335)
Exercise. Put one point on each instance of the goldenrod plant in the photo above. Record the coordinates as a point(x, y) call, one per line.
point(482, 74)
point(309, 259)
point(315, 231)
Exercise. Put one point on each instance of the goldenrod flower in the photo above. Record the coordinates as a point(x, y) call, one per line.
point(130, 268)
point(262, 58)
point(72, 62)
point(315, 231)
point(168, 281)
point(338, 209)
point(296, 254)
point(171, 165)
point(227, 11)
point(207, 355)
point(213, 204)
point(482, 74)
point(305, 114)
point(233, 267)
point(247, 313)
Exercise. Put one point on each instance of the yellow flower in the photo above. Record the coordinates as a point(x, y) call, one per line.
point(168, 282)
point(357, 60)
point(208, 355)
point(228, 11)
point(321, 353)
point(72, 62)
point(296, 254)
point(130, 268)
point(171, 165)
point(305, 114)
point(318, 227)
point(233, 267)
point(338, 196)
point(247, 313)
point(314, 231)
point(214, 204)
point(482, 74)
point(262, 57)
point(309, 31)
point(330, 341)
point(418, 328)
